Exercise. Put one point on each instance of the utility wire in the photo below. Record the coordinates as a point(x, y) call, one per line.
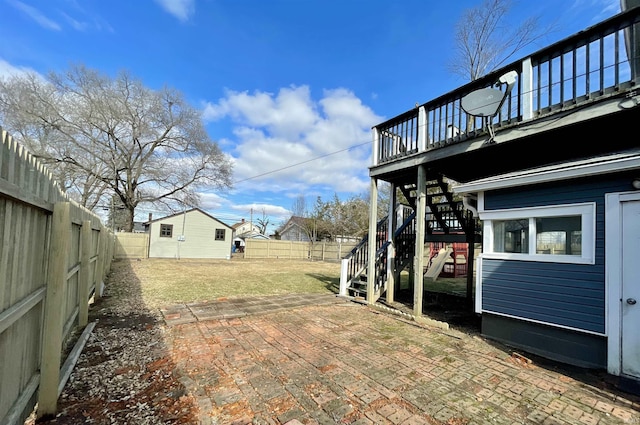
point(300, 163)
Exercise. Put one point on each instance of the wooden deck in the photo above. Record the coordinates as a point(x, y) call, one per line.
point(573, 99)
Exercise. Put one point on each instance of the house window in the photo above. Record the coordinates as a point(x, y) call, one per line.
point(166, 230)
point(564, 233)
point(511, 236)
point(220, 234)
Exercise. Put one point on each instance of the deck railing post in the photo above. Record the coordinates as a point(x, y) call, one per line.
point(422, 129)
point(344, 272)
point(53, 313)
point(376, 146)
point(526, 89)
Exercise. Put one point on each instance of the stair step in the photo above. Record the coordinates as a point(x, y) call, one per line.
point(357, 292)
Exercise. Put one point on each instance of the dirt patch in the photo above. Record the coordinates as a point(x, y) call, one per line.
point(125, 373)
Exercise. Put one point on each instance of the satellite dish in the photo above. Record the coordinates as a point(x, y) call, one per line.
point(486, 103)
point(483, 102)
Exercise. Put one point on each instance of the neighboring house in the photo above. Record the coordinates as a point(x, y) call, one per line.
point(294, 230)
point(189, 234)
point(244, 228)
point(139, 227)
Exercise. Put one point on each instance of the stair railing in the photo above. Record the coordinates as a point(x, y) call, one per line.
point(355, 262)
point(405, 243)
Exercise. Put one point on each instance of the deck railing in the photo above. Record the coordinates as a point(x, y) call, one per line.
point(591, 65)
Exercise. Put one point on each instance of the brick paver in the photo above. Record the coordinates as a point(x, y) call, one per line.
point(337, 362)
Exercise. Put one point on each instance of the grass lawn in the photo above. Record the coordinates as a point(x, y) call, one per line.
point(170, 281)
point(444, 285)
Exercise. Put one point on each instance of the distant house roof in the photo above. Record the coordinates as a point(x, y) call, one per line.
point(293, 221)
point(185, 212)
point(238, 224)
point(252, 235)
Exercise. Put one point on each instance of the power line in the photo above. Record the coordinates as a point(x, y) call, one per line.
point(300, 163)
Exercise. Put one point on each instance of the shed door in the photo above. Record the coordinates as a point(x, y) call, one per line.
point(630, 288)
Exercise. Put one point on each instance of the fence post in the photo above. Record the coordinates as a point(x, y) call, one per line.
point(100, 262)
point(53, 320)
point(84, 282)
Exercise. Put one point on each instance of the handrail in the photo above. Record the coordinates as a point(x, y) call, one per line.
point(584, 67)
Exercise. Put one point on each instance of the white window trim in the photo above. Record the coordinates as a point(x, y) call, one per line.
point(586, 210)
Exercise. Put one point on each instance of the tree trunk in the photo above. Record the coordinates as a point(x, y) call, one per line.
point(128, 227)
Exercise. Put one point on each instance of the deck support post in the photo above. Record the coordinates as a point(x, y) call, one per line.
point(391, 252)
point(470, 263)
point(418, 260)
point(373, 230)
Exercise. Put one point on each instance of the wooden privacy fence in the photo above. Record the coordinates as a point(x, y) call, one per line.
point(292, 250)
point(132, 245)
point(53, 255)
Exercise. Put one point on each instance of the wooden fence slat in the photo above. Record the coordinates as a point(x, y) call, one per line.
point(41, 297)
point(326, 251)
point(53, 314)
point(15, 413)
point(16, 311)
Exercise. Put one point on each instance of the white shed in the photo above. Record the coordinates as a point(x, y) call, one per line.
point(189, 234)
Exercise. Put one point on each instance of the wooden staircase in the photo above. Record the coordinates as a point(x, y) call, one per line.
point(446, 221)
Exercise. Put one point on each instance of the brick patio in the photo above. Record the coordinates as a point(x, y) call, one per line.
point(330, 361)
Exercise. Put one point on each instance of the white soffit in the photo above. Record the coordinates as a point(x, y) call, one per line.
point(624, 161)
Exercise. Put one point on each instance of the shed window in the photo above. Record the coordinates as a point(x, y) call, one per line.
point(166, 230)
point(564, 233)
point(220, 233)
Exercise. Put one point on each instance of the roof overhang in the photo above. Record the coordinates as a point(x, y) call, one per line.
point(619, 162)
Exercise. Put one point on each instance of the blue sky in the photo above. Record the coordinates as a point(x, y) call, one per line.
point(279, 82)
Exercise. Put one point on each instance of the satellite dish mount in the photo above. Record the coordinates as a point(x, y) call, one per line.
point(485, 103)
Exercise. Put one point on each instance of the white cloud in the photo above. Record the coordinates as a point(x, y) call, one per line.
point(181, 9)
point(77, 25)
point(603, 8)
point(280, 131)
point(258, 208)
point(36, 15)
point(212, 201)
point(8, 70)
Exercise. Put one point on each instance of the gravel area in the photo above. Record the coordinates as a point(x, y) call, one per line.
point(125, 374)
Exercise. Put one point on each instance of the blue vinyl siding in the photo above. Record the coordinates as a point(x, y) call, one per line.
point(563, 294)
point(570, 295)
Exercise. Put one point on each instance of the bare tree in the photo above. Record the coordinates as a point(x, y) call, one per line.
point(484, 40)
point(263, 222)
point(299, 207)
point(104, 137)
